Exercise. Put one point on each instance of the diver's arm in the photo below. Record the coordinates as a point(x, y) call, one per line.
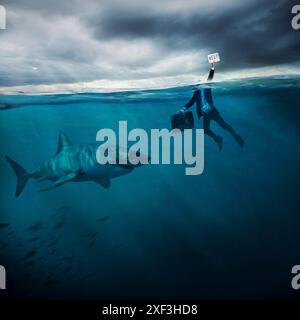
point(211, 73)
point(191, 102)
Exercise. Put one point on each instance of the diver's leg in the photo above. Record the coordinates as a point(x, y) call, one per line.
point(226, 126)
point(209, 132)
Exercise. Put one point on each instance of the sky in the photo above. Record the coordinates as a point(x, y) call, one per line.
point(131, 43)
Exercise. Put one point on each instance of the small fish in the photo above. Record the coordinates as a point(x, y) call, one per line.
point(91, 234)
point(89, 275)
point(29, 263)
point(52, 282)
point(24, 277)
point(58, 212)
point(91, 245)
point(10, 233)
point(33, 239)
point(103, 219)
point(59, 225)
point(67, 208)
point(4, 225)
point(81, 265)
point(30, 254)
point(36, 280)
point(35, 227)
point(116, 247)
point(52, 243)
point(67, 269)
point(50, 275)
point(4, 246)
point(64, 208)
point(19, 260)
point(67, 258)
point(52, 251)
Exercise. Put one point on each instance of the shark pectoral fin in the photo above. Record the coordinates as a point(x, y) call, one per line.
point(104, 182)
point(66, 178)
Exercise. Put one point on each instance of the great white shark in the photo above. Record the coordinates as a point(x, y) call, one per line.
point(72, 163)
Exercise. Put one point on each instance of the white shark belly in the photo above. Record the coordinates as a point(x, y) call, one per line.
point(106, 171)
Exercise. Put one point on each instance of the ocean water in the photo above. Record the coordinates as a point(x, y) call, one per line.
point(232, 232)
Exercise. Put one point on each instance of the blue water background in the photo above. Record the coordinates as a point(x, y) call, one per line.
point(232, 232)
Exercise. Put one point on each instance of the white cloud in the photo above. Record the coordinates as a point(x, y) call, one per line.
point(58, 42)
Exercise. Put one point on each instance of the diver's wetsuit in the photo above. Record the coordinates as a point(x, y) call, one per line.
point(211, 74)
point(206, 108)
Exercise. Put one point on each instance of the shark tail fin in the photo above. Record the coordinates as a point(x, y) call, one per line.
point(22, 176)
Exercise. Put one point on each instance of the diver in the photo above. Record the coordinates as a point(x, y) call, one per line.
point(206, 108)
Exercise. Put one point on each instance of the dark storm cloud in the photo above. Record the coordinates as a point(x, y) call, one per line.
point(256, 34)
point(83, 40)
point(47, 7)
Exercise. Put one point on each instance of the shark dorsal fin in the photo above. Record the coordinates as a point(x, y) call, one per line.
point(63, 142)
